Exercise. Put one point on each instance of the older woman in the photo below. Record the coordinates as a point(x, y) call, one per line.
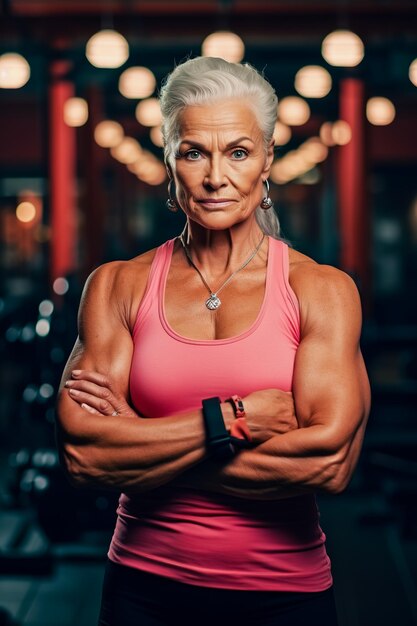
point(247, 353)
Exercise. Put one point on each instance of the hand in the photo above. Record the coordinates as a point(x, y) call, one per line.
point(96, 394)
point(269, 412)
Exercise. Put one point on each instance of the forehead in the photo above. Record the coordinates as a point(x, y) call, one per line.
point(229, 116)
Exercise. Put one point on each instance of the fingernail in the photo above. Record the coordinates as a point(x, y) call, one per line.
point(74, 392)
point(69, 383)
point(76, 372)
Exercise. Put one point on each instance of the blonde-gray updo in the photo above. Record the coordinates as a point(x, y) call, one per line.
point(205, 80)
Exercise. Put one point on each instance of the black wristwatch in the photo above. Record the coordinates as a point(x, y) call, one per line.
point(218, 439)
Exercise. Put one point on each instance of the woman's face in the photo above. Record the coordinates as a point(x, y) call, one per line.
point(221, 163)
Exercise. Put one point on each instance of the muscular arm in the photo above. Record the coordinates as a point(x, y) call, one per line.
point(331, 395)
point(124, 451)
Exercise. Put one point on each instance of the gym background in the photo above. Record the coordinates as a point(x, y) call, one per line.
point(82, 182)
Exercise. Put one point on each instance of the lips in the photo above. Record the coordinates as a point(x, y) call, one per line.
point(215, 203)
point(215, 200)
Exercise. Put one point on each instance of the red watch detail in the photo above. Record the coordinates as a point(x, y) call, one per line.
point(238, 407)
point(239, 428)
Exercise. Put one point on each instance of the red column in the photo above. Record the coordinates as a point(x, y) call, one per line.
point(354, 209)
point(94, 200)
point(62, 173)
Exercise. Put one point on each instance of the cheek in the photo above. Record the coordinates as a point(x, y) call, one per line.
point(187, 181)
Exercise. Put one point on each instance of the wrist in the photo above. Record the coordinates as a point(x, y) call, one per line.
point(239, 429)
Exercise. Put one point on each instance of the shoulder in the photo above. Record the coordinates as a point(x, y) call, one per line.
point(326, 294)
point(119, 285)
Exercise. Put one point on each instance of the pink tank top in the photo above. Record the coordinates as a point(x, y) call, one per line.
point(200, 537)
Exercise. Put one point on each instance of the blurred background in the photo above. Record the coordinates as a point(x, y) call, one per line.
point(82, 182)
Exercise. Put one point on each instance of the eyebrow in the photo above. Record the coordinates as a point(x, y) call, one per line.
point(234, 142)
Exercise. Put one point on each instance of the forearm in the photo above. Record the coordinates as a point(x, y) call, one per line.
point(285, 466)
point(131, 454)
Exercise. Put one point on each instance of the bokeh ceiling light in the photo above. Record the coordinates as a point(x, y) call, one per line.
point(313, 81)
point(223, 44)
point(326, 134)
point(412, 72)
point(137, 82)
point(278, 174)
point(293, 111)
point(25, 212)
point(154, 174)
point(313, 150)
point(14, 70)
point(282, 134)
point(148, 112)
point(341, 132)
point(108, 134)
point(156, 136)
point(75, 112)
point(342, 48)
point(380, 111)
point(127, 151)
point(107, 48)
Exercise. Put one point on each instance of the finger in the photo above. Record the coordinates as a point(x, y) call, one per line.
point(90, 409)
point(90, 387)
point(101, 405)
point(92, 376)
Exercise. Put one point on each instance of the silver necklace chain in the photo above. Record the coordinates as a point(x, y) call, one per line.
point(213, 302)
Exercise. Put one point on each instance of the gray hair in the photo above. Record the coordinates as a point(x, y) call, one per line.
point(205, 80)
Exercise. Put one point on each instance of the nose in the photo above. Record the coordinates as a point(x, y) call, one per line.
point(215, 177)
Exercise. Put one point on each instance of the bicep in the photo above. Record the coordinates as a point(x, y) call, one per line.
point(104, 343)
point(331, 388)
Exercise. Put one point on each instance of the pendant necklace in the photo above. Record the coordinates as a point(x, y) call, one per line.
point(213, 302)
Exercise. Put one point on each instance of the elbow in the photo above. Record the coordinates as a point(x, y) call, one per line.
point(337, 485)
point(336, 473)
point(78, 468)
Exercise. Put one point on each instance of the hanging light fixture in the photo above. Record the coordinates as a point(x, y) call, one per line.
point(156, 136)
point(108, 134)
point(127, 151)
point(137, 82)
point(380, 111)
point(75, 112)
point(107, 48)
point(148, 112)
point(26, 212)
point(313, 150)
point(342, 48)
point(313, 81)
point(225, 45)
point(412, 72)
point(14, 70)
point(326, 134)
point(282, 134)
point(293, 111)
point(341, 132)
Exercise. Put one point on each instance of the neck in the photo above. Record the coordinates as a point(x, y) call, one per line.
point(220, 251)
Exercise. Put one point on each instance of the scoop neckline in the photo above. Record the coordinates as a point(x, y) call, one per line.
point(170, 331)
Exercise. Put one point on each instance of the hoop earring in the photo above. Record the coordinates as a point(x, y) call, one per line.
point(266, 202)
point(171, 203)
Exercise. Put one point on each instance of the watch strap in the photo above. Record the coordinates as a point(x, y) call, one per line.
point(217, 437)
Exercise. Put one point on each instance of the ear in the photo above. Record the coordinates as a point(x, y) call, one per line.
point(269, 158)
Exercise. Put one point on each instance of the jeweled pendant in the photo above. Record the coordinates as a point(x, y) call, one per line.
point(213, 302)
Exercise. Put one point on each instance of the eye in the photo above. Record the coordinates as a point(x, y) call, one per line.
point(192, 155)
point(239, 154)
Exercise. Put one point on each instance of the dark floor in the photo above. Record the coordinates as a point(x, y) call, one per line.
point(375, 573)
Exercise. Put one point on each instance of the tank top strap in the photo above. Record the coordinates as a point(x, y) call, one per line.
point(283, 295)
point(156, 274)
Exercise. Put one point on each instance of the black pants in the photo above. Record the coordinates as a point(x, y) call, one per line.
point(135, 598)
